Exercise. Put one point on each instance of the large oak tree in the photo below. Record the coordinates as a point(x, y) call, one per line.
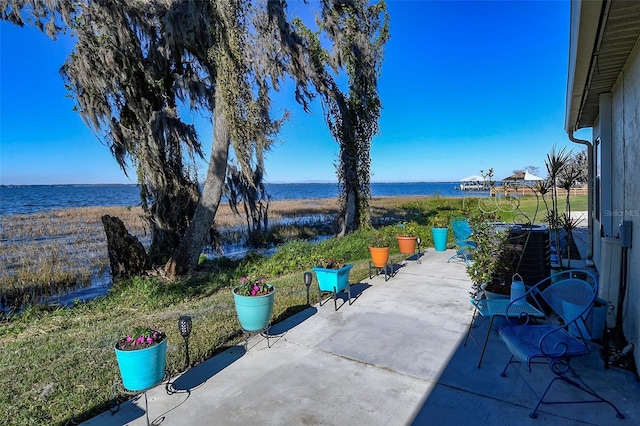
point(137, 63)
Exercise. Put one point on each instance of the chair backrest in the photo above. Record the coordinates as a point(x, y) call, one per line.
point(461, 229)
point(569, 295)
point(570, 299)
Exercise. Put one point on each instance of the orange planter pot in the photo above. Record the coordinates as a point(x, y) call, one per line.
point(379, 256)
point(407, 245)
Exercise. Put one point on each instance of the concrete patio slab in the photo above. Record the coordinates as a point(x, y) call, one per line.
point(396, 356)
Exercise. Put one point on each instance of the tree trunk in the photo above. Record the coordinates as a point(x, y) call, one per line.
point(127, 256)
point(349, 218)
point(174, 199)
point(349, 178)
point(185, 259)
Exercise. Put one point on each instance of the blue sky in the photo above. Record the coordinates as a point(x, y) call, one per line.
point(465, 86)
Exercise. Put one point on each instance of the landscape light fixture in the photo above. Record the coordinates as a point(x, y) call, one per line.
point(307, 282)
point(184, 327)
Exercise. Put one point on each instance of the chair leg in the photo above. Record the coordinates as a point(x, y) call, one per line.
point(504, 371)
point(560, 367)
point(580, 385)
point(473, 319)
point(453, 257)
point(460, 254)
point(486, 340)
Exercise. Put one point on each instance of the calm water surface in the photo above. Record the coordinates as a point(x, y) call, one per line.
point(29, 199)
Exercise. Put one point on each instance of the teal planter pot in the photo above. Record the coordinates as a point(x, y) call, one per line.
point(254, 312)
point(333, 281)
point(143, 368)
point(440, 238)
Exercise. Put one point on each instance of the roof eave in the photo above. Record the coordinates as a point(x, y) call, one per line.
point(585, 23)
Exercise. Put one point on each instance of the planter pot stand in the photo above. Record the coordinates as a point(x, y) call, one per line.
point(144, 368)
point(407, 246)
point(140, 371)
point(333, 281)
point(380, 265)
point(386, 269)
point(254, 314)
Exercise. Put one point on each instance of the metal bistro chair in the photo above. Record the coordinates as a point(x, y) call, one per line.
point(566, 298)
point(461, 233)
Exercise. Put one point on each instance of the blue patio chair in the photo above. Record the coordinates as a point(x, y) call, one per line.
point(462, 233)
point(566, 299)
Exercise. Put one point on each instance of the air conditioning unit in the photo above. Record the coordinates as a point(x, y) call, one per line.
point(610, 274)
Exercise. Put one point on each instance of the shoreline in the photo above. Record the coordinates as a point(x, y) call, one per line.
point(14, 185)
point(224, 215)
point(40, 198)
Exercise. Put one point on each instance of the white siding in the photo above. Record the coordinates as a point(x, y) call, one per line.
point(625, 189)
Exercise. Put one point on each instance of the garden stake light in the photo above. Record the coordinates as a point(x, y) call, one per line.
point(184, 326)
point(307, 282)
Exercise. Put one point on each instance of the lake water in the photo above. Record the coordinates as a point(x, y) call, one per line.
point(29, 199)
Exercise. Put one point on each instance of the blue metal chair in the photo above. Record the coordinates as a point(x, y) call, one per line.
point(462, 233)
point(566, 299)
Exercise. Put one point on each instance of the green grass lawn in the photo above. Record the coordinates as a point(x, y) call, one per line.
point(533, 208)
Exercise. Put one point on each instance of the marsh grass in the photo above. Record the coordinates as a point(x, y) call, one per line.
point(58, 364)
point(45, 253)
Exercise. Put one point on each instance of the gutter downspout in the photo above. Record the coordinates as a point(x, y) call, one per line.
point(590, 187)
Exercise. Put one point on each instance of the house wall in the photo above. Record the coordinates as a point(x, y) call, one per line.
point(625, 185)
